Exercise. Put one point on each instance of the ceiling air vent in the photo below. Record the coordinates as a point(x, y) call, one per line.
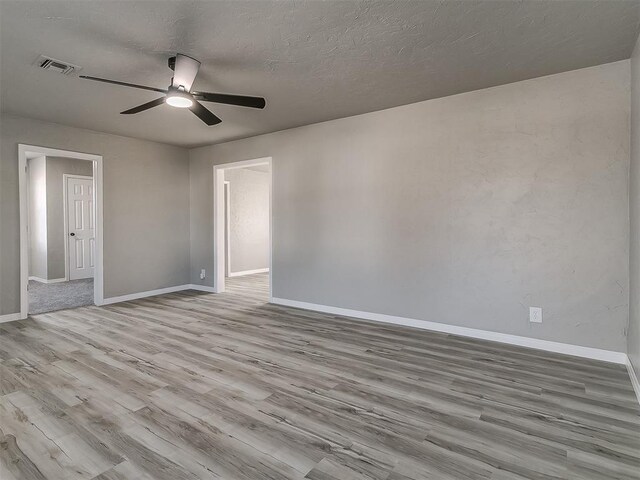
point(58, 66)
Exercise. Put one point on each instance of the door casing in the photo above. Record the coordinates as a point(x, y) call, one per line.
point(219, 230)
point(28, 151)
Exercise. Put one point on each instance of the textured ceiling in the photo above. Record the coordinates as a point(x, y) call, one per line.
point(313, 60)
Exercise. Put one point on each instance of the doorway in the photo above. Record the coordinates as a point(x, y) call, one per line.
point(60, 229)
point(242, 228)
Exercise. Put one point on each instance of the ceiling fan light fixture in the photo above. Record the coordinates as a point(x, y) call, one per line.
point(179, 99)
point(179, 94)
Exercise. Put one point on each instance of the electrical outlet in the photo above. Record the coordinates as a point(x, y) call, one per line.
point(535, 314)
point(202, 274)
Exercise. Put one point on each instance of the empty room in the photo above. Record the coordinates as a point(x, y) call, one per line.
point(325, 240)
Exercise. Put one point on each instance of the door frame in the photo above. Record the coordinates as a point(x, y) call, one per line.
point(219, 240)
point(65, 193)
point(30, 151)
point(227, 227)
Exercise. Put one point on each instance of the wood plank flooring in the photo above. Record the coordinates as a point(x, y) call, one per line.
point(204, 386)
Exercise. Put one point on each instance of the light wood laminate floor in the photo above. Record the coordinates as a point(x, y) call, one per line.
point(204, 386)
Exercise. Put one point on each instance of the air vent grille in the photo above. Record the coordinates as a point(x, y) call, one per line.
point(58, 66)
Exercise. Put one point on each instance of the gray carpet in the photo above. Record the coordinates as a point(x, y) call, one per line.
point(48, 297)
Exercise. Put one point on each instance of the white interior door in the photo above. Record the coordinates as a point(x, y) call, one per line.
point(80, 228)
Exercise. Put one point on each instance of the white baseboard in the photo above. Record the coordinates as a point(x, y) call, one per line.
point(160, 291)
point(248, 272)
point(125, 298)
point(44, 280)
point(564, 348)
point(10, 317)
point(201, 288)
point(149, 293)
point(635, 381)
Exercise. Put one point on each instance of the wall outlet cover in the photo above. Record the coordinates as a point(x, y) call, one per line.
point(202, 274)
point(535, 314)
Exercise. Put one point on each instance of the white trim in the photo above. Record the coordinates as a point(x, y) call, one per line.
point(125, 298)
point(564, 348)
point(153, 293)
point(635, 381)
point(65, 215)
point(44, 280)
point(248, 272)
point(200, 288)
point(227, 227)
point(270, 229)
point(25, 151)
point(148, 293)
point(10, 317)
point(218, 219)
point(218, 230)
point(44, 234)
point(245, 163)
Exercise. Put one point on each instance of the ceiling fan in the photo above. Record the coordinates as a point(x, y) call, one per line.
point(179, 93)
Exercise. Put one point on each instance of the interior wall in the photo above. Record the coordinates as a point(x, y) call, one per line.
point(146, 205)
point(57, 167)
point(248, 219)
point(633, 336)
point(463, 210)
point(37, 214)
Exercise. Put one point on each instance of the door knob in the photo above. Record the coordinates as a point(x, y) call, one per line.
point(72, 234)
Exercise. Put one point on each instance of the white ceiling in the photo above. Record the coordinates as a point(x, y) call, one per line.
point(312, 60)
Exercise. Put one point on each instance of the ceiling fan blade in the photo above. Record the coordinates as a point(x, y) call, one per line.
point(124, 84)
point(185, 71)
point(203, 114)
point(144, 106)
point(239, 100)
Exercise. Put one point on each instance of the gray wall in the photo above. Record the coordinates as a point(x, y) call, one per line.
point(146, 205)
point(463, 210)
point(248, 219)
point(37, 214)
point(56, 168)
point(634, 203)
